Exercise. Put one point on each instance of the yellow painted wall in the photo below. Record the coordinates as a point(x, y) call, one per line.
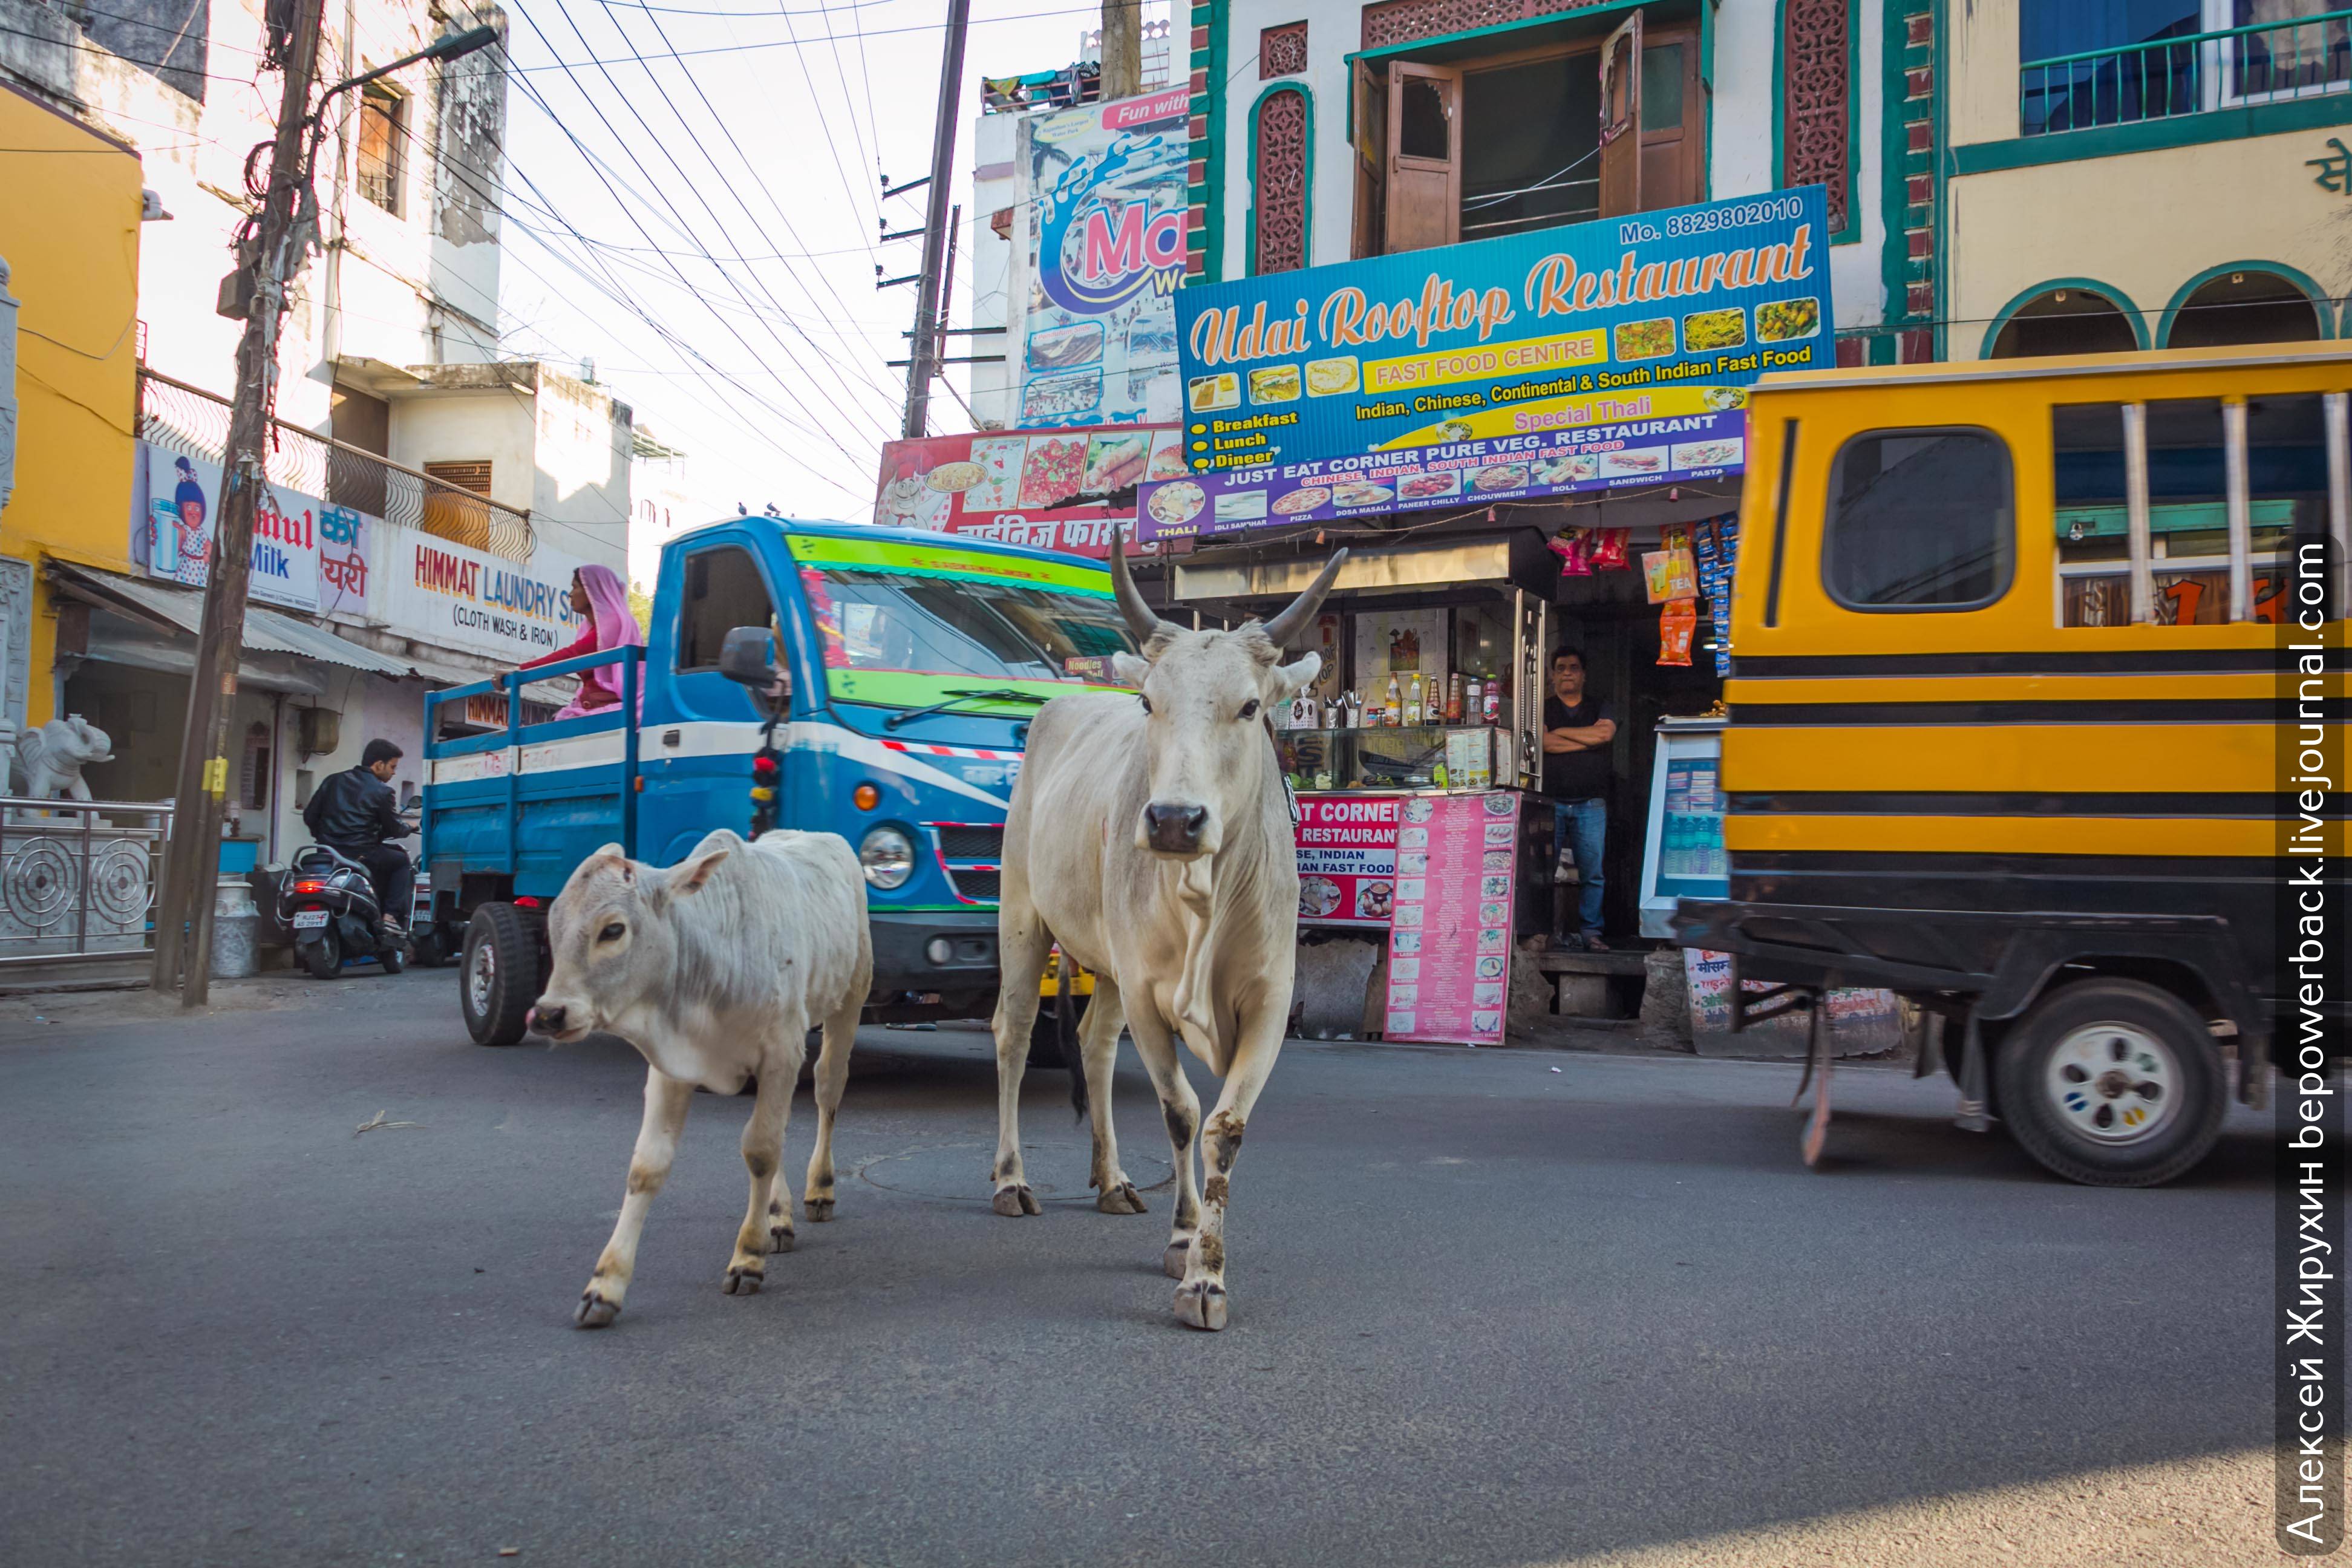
point(70, 230)
point(1981, 71)
point(2144, 223)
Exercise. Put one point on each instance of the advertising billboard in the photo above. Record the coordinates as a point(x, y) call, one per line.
point(451, 593)
point(1099, 255)
point(1055, 489)
point(1592, 356)
point(174, 540)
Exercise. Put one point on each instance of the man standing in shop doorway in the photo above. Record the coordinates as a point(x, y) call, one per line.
point(1578, 731)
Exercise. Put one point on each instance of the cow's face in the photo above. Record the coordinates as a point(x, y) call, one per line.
point(1205, 696)
point(611, 939)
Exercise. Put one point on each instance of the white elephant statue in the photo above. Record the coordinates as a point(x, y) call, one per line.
point(53, 756)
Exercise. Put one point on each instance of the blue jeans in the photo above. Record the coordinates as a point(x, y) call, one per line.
point(1583, 827)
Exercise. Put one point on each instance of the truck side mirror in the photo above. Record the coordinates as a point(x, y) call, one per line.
point(747, 658)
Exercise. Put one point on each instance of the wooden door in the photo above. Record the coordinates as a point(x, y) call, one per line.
point(1620, 120)
point(1425, 156)
point(1368, 135)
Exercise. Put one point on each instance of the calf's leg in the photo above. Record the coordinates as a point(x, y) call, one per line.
point(1181, 1108)
point(768, 1225)
point(666, 1101)
point(1201, 1299)
point(1021, 942)
point(832, 1073)
point(1098, 1054)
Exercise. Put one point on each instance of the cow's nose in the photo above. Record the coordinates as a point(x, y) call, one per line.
point(1175, 829)
point(547, 1020)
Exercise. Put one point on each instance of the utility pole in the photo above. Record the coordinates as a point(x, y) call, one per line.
point(1122, 48)
point(926, 353)
point(203, 787)
point(279, 236)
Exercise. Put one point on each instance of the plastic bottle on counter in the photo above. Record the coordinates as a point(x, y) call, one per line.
point(1454, 697)
point(1470, 701)
point(1416, 703)
point(1493, 707)
point(1395, 711)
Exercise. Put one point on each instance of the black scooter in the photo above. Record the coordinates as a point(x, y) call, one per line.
point(329, 903)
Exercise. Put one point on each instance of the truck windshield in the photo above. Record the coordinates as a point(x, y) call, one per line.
point(882, 620)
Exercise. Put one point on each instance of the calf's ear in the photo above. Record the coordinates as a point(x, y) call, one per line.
point(1290, 680)
point(691, 874)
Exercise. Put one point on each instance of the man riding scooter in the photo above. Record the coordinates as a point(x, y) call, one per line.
point(354, 813)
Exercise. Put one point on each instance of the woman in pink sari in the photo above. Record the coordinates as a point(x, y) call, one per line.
point(598, 594)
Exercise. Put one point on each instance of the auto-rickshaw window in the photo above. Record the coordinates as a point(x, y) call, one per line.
point(2093, 508)
point(1919, 519)
point(723, 591)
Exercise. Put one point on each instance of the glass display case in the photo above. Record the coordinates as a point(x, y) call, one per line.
point(1407, 757)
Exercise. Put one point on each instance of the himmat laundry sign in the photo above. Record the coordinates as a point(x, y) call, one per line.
point(451, 593)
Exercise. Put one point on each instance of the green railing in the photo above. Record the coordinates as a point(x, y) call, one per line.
point(2190, 74)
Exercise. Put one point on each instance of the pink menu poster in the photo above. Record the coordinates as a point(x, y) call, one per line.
point(1450, 938)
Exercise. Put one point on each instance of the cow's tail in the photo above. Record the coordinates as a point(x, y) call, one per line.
point(1066, 1035)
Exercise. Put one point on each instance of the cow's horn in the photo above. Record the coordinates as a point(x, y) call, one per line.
point(1141, 618)
point(1292, 621)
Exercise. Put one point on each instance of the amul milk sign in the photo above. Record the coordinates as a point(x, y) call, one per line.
point(462, 597)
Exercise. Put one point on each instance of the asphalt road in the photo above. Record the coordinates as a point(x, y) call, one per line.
point(1489, 1308)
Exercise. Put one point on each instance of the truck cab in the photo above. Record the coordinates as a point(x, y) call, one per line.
point(913, 661)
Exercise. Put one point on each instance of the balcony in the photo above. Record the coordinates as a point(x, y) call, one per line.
point(194, 423)
point(2192, 73)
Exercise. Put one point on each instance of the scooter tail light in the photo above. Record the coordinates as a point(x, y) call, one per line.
point(309, 887)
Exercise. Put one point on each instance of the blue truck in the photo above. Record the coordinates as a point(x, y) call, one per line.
point(892, 691)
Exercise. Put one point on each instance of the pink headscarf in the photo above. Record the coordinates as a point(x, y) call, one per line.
point(617, 626)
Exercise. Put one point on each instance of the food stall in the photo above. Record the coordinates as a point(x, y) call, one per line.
point(1409, 757)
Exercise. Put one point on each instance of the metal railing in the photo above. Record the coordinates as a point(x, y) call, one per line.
point(194, 423)
point(2264, 62)
point(77, 878)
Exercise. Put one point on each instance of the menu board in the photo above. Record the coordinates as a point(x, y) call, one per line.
point(1450, 936)
point(1347, 858)
point(1054, 489)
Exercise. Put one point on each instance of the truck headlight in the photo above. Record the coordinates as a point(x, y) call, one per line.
point(888, 858)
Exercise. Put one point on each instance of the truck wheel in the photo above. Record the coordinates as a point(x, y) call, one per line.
point(499, 978)
point(2113, 1083)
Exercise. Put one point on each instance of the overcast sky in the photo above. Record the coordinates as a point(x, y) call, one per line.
point(752, 136)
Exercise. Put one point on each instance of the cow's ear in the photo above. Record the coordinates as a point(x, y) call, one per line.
point(620, 859)
point(1290, 680)
point(1129, 670)
point(690, 876)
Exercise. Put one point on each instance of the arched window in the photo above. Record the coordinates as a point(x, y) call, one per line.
point(2069, 320)
point(2242, 305)
point(1281, 181)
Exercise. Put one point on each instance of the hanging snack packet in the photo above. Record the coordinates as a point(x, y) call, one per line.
point(1676, 622)
point(1671, 572)
point(1574, 548)
point(1609, 548)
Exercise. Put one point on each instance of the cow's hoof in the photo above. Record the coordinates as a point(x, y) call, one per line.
point(1014, 1202)
point(818, 1210)
point(779, 1239)
point(742, 1282)
point(1122, 1199)
point(594, 1311)
point(1173, 1261)
point(1201, 1306)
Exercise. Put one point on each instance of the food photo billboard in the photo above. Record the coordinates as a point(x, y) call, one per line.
point(1099, 255)
point(1593, 356)
point(1055, 489)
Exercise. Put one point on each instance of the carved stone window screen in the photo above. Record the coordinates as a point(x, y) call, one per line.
point(1816, 129)
point(1281, 207)
point(1282, 51)
point(1393, 22)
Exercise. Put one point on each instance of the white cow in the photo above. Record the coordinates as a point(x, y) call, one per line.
point(715, 970)
point(1150, 835)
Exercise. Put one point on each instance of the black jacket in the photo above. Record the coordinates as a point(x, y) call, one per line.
point(353, 810)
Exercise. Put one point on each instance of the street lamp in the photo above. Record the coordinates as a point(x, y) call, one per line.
point(447, 49)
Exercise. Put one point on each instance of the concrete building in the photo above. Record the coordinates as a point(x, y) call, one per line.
point(430, 500)
point(2158, 175)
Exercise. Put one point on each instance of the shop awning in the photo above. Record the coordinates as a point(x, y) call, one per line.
point(554, 694)
point(266, 631)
